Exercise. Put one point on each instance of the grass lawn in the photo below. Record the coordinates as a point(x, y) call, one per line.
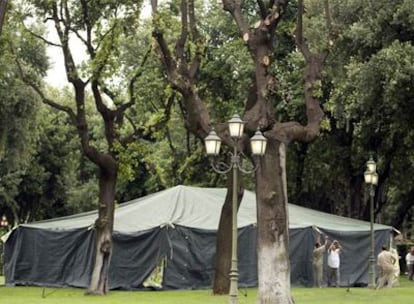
point(404, 294)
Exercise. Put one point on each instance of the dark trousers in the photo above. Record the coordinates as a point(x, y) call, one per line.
point(333, 277)
point(410, 271)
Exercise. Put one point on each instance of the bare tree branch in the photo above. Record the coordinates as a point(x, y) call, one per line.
point(48, 42)
point(154, 6)
point(87, 20)
point(180, 45)
point(262, 8)
point(234, 8)
point(199, 43)
point(332, 34)
point(312, 86)
point(300, 42)
point(166, 57)
point(42, 96)
point(71, 71)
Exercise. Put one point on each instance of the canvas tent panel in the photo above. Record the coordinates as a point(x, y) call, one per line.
point(189, 257)
point(180, 225)
point(182, 205)
point(198, 208)
point(190, 264)
point(43, 257)
point(300, 217)
point(135, 256)
point(247, 256)
point(355, 256)
point(301, 242)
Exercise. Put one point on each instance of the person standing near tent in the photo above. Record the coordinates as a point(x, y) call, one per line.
point(317, 261)
point(397, 270)
point(385, 261)
point(409, 259)
point(334, 263)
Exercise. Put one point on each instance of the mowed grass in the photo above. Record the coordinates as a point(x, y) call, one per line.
point(403, 294)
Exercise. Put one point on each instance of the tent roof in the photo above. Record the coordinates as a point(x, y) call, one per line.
point(198, 208)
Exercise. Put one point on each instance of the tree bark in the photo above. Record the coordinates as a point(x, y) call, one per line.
point(103, 228)
point(221, 283)
point(403, 211)
point(273, 228)
point(3, 7)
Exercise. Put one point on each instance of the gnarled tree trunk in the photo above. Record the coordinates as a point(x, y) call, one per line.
point(104, 228)
point(272, 228)
point(221, 283)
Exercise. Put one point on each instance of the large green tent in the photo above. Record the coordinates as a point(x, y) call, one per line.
point(175, 229)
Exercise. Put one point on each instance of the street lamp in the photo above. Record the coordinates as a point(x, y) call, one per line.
point(258, 146)
point(4, 223)
point(371, 179)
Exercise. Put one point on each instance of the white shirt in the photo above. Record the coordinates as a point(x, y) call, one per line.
point(409, 258)
point(333, 258)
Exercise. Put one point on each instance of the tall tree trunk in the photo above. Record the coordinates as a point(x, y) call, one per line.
point(403, 211)
point(272, 229)
point(300, 161)
point(104, 228)
point(221, 284)
point(3, 7)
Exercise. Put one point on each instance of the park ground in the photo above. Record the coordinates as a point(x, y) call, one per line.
point(403, 294)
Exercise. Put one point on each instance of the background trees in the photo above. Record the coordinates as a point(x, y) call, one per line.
point(367, 99)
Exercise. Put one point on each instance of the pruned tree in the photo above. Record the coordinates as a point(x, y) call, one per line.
point(182, 66)
point(100, 27)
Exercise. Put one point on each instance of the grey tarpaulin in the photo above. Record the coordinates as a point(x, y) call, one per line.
point(178, 225)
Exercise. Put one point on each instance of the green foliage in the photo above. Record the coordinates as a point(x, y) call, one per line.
point(19, 105)
point(19, 131)
point(367, 92)
point(227, 69)
point(289, 73)
point(315, 26)
point(128, 157)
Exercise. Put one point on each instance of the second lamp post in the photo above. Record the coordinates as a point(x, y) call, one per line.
point(258, 146)
point(371, 179)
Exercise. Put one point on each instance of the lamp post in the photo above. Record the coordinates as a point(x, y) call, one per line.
point(371, 179)
point(258, 146)
point(4, 223)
